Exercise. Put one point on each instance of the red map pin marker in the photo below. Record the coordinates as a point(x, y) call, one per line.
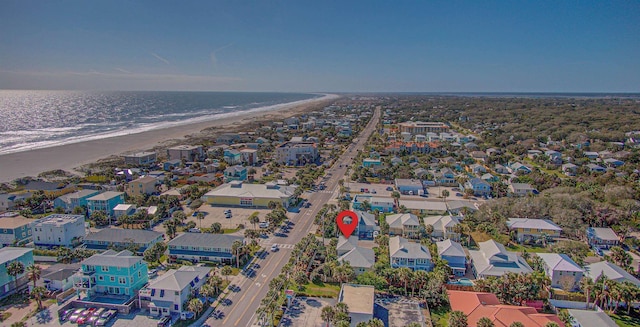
point(347, 228)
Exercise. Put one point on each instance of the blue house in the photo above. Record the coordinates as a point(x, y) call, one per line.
point(15, 229)
point(366, 225)
point(235, 173)
point(7, 256)
point(76, 199)
point(171, 164)
point(105, 202)
point(369, 162)
point(518, 167)
point(232, 157)
point(409, 186)
point(111, 273)
point(379, 203)
point(117, 238)
point(478, 186)
point(453, 253)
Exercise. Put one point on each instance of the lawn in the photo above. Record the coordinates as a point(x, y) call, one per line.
point(624, 320)
point(319, 290)
point(528, 248)
point(440, 318)
point(230, 230)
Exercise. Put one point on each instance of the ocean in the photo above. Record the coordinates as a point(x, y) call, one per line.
point(37, 119)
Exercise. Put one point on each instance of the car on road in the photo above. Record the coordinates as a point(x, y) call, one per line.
point(389, 188)
point(458, 194)
point(274, 247)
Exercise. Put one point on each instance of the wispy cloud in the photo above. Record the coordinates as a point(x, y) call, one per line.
point(123, 70)
point(214, 58)
point(160, 58)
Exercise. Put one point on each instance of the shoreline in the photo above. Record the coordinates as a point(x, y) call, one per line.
point(70, 156)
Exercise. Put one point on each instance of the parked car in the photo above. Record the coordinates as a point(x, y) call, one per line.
point(64, 316)
point(152, 273)
point(164, 322)
point(95, 316)
point(389, 188)
point(274, 247)
point(76, 314)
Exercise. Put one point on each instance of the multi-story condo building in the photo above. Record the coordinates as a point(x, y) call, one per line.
point(59, 230)
point(297, 153)
point(72, 200)
point(113, 273)
point(140, 158)
point(141, 186)
point(187, 152)
point(15, 229)
point(105, 202)
point(419, 127)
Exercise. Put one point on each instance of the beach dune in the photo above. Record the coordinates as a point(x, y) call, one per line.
point(70, 156)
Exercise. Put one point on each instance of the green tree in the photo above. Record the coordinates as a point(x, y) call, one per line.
point(196, 306)
point(226, 271)
point(33, 273)
point(154, 252)
point(327, 314)
point(216, 228)
point(254, 219)
point(485, 322)
point(551, 324)
point(458, 319)
point(64, 254)
point(235, 248)
point(171, 226)
point(14, 269)
point(516, 324)
point(38, 292)
point(200, 217)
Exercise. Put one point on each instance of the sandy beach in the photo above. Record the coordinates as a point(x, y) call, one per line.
point(70, 156)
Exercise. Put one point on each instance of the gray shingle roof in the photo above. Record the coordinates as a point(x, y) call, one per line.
point(205, 239)
point(177, 280)
point(123, 235)
point(359, 257)
point(12, 253)
point(112, 259)
point(401, 248)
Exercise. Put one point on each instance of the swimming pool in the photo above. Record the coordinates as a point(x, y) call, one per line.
point(462, 281)
point(107, 299)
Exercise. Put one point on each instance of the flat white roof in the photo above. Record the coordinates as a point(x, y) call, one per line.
point(359, 298)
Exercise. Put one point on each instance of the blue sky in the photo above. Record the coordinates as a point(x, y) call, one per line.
point(322, 46)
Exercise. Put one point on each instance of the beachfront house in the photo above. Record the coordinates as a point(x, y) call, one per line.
point(49, 189)
point(117, 238)
point(15, 229)
point(105, 202)
point(7, 256)
point(241, 194)
point(186, 152)
point(140, 158)
point(117, 274)
point(412, 255)
point(204, 247)
point(169, 294)
point(59, 230)
point(72, 200)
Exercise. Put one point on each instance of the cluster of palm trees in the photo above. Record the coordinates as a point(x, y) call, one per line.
point(17, 268)
point(67, 255)
point(515, 288)
point(337, 315)
point(609, 294)
point(212, 288)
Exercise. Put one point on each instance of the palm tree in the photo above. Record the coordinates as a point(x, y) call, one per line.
point(587, 285)
point(226, 271)
point(195, 305)
point(254, 219)
point(428, 229)
point(516, 324)
point(375, 322)
point(216, 283)
point(171, 227)
point(14, 269)
point(65, 255)
point(327, 314)
point(458, 319)
point(38, 292)
point(33, 273)
point(485, 322)
point(207, 291)
point(405, 274)
point(235, 248)
point(216, 228)
point(200, 217)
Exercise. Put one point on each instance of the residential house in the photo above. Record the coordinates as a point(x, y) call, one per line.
point(169, 293)
point(49, 189)
point(58, 277)
point(404, 224)
point(520, 189)
point(346, 244)
point(500, 169)
point(369, 162)
point(614, 163)
point(7, 201)
point(8, 255)
point(249, 156)
point(477, 169)
point(235, 173)
point(611, 271)
point(409, 186)
point(563, 272)
point(533, 229)
point(123, 209)
point(140, 158)
point(419, 207)
point(381, 204)
point(479, 187)
point(569, 169)
point(489, 178)
point(596, 168)
point(117, 238)
point(492, 259)
point(478, 155)
point(142, 186)
point(359, 299)
point(590, 318)
point(112, 273)
point(443, 226)
point(240, 194)
point(591, 155)
point(458, 207)
point(204, 247)
point(518, 167)
point(187, 152)
point(297, 153)
point(70, 201)
point(232, 156)
point(532, 154)
point(445, 177)
point(453, 253)
point(15, 229)
point(105, 202)
point(412, 255)
point(59, 230)
point(602, 237)
point(360, 259)
point(421, 173)
point(170, 165)
point(367, 226)
point(478, 305)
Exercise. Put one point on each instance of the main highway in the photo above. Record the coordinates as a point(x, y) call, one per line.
point(240, 311)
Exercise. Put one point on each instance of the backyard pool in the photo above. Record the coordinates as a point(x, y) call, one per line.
point(462, 281)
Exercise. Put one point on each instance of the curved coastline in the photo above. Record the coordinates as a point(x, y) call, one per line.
point(81, 152)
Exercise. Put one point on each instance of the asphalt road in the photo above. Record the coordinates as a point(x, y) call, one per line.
point(245, 302)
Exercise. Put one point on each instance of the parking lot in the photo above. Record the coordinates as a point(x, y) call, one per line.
point(306, 312)
point(48, 317)
point(398, 312)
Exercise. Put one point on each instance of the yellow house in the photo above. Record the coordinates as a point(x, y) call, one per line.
point(142, 185)
point(528, 228)
point(239, 194)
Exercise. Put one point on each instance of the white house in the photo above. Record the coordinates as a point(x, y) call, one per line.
point(492, 259)
point(561, 269)
point(59, 230)
point(443, 226)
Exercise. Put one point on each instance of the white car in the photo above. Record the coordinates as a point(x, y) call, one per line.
point(274, 247)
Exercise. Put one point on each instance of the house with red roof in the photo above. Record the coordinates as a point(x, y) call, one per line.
point(480, 304)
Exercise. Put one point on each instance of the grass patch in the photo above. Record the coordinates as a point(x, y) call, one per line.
point(528, 248)
point(624, 320)
point(5, 315)
point(230, 230)
point(319, 290)
point(440, 317)
point(235, 271)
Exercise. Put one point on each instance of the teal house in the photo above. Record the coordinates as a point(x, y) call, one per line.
point(15, 229)
point(111, 273)
point(7, 256)
point(105, 202)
